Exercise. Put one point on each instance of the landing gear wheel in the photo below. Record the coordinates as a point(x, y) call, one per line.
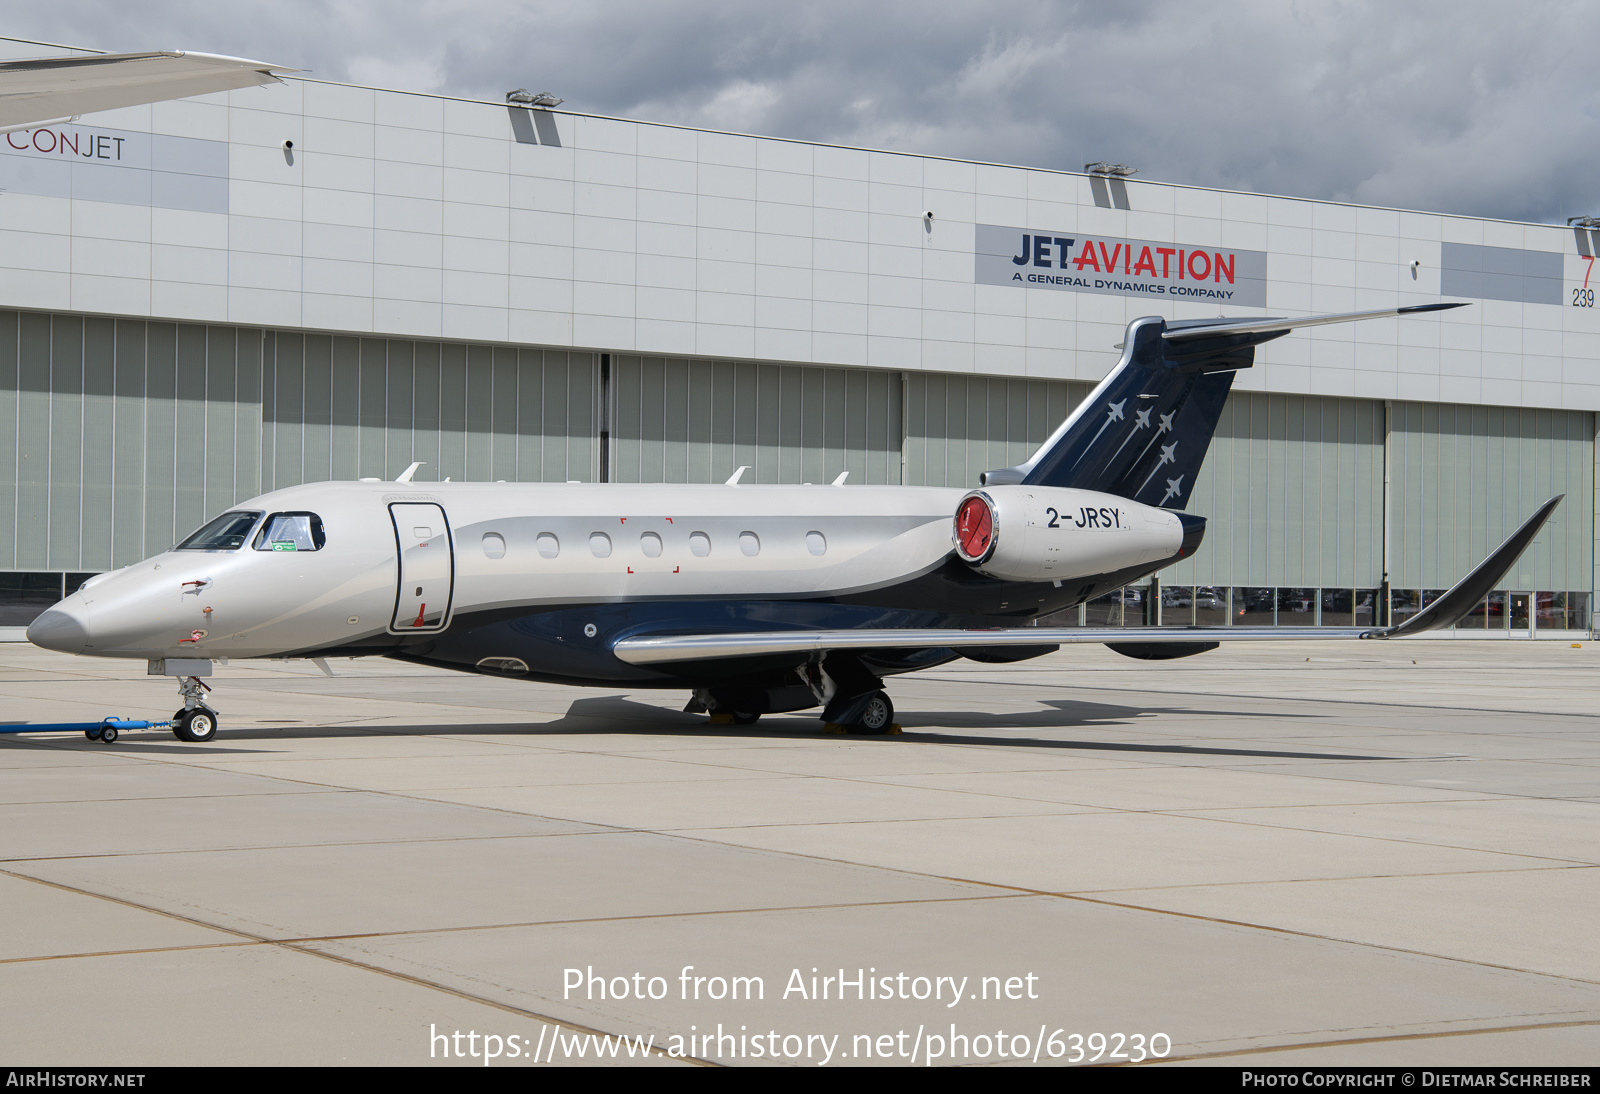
point(108, 734)
point(196, 726)
point(177, 720)
point(746, 718)
point(877, 716)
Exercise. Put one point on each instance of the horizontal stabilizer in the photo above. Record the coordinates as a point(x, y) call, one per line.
point(1189, 330)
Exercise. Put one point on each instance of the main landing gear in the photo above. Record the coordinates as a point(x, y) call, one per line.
point(727, 709)
point(852, 697)
point(869, 715)
point(877, 715)
point(195, 722)
point(852, 700)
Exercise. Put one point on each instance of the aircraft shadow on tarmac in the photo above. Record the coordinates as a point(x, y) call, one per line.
point(617, 714)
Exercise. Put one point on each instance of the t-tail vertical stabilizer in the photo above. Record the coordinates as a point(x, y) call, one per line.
point(1144, 431)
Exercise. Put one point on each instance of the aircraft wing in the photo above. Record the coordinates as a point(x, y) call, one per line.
point(58, 88)
point(711, 647)
point(1446, 611)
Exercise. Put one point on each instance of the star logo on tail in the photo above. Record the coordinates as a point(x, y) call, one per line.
point(1141, 420)
point(1165, 427)
point(1174, 488)
point(1113, 414)
point(1167, 456)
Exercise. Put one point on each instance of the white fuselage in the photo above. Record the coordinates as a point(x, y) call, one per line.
point(402, 560)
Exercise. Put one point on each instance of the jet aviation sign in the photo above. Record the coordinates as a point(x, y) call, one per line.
point(1087, 262)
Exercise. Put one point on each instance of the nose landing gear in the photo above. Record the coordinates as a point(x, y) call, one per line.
point(195, 722)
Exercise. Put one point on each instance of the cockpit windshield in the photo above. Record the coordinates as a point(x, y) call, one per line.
point(227, 533)
point(291, 532)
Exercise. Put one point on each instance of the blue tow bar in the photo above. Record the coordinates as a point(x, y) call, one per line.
point(106, 729)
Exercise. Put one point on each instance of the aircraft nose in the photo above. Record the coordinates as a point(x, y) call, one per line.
point(60, 630)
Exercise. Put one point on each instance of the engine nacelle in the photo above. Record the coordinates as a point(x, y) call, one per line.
point(1047, 533)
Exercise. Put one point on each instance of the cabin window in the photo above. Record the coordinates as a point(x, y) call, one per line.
point(699, 544)
point(650, 544)
point(600, 544)
point(494, 545)
point(227, 533)
point(291, 532)
point(549, 546)
point(816, 543)
point(750, 543)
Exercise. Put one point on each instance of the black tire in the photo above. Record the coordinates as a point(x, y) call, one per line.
point(177, 721)
point(108, 734)
point(877, 716)
point(746, 718)
point(196, 726)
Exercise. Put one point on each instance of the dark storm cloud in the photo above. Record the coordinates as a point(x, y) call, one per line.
point(1464, 107)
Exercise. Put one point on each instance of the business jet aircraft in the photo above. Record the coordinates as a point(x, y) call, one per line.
point(755, 599)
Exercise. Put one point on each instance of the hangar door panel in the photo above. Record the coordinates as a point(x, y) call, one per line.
point(427, 567)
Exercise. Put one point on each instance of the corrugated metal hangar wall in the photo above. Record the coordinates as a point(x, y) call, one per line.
point(123, 435)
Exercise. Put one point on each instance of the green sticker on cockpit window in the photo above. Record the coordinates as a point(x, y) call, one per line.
point(280, 545)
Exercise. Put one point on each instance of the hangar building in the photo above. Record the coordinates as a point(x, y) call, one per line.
point(207, 299)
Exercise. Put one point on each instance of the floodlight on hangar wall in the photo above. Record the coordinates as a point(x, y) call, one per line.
point(523, 97)
point(1108, 183)
point(1583, 231)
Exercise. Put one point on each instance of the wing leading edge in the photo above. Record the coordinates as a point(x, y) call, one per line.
point(1443, 612)
point(33, 91)
point(1193, 330)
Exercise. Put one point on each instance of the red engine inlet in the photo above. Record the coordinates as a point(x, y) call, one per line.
point(974, 528)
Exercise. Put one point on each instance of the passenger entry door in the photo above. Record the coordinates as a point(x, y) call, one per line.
point(1521, 613)
point(427, 567)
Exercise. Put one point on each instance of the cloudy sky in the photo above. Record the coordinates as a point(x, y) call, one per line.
point(1468, 106)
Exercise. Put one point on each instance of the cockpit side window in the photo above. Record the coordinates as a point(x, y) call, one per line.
point(227, 533)
point(291, 532)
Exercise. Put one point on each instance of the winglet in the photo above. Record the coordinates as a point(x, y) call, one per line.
point(1465, 594)
point(733, 479)
point(840, 480)
point(405, 476)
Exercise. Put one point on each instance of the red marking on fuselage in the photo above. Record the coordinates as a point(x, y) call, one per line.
point(420, 610)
